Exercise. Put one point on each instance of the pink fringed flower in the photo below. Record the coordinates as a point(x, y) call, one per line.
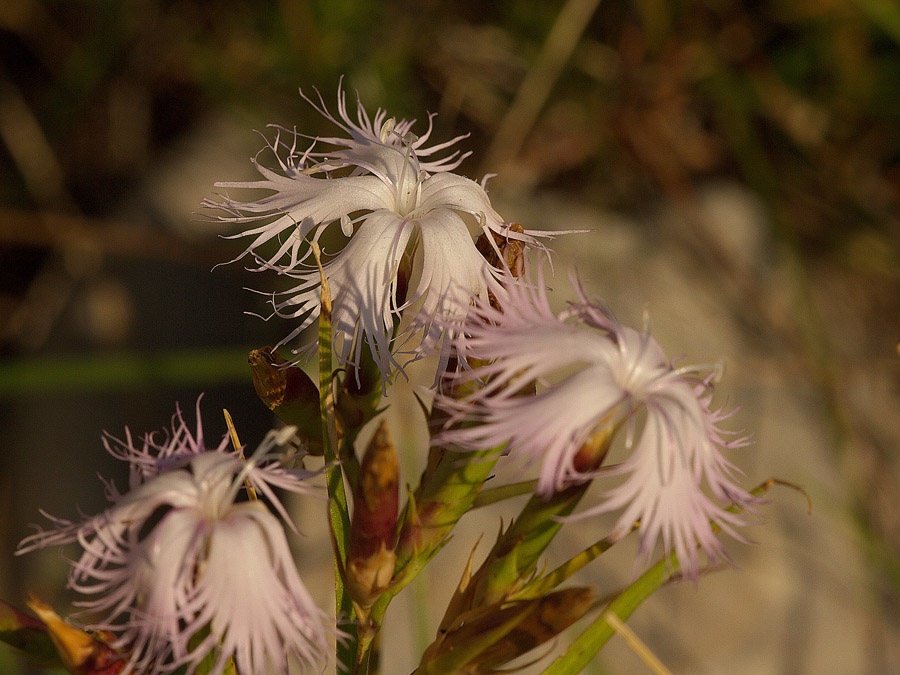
point(391, 197)
point(182, 570)
point(612, 372)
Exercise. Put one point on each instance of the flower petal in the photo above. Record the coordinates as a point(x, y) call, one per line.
point(453, 273)
point(301, 203)
point(363, 282)
point(251, 597)
point(675, 457)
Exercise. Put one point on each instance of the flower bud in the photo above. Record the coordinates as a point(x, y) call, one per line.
point(553, 614)
point(482, 639)
point(594, 450)
point(370, 560)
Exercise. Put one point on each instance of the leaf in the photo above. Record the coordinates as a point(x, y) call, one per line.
point(503, 492)
point(550, 581)
point(623, 605)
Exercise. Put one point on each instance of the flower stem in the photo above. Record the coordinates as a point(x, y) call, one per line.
point(499, 494)
point(337, 499)
point(583, 649)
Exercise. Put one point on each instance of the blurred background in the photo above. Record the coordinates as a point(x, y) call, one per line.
point(737, 163)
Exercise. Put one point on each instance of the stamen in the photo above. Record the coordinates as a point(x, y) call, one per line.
point(346, 225)
point(387, 128)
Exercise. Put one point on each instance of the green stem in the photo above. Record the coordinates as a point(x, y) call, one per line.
point(338, 511)
point(586, 646)
point(598, 633)
point(499, 494)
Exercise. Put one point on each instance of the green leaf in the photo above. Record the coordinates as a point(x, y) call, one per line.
point(623, 605)
point(504, 492)
point(550, 581)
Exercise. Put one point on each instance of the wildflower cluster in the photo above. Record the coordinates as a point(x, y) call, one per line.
point(190, 569)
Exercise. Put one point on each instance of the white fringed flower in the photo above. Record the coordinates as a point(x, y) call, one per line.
point(181, 570)
point(391, 196)
point(612, 372)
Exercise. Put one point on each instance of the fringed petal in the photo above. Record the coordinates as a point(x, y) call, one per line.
point(176, 557)
point(676, 456)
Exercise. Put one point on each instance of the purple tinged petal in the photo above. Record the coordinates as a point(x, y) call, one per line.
point(176, 555)
point(675, 457)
